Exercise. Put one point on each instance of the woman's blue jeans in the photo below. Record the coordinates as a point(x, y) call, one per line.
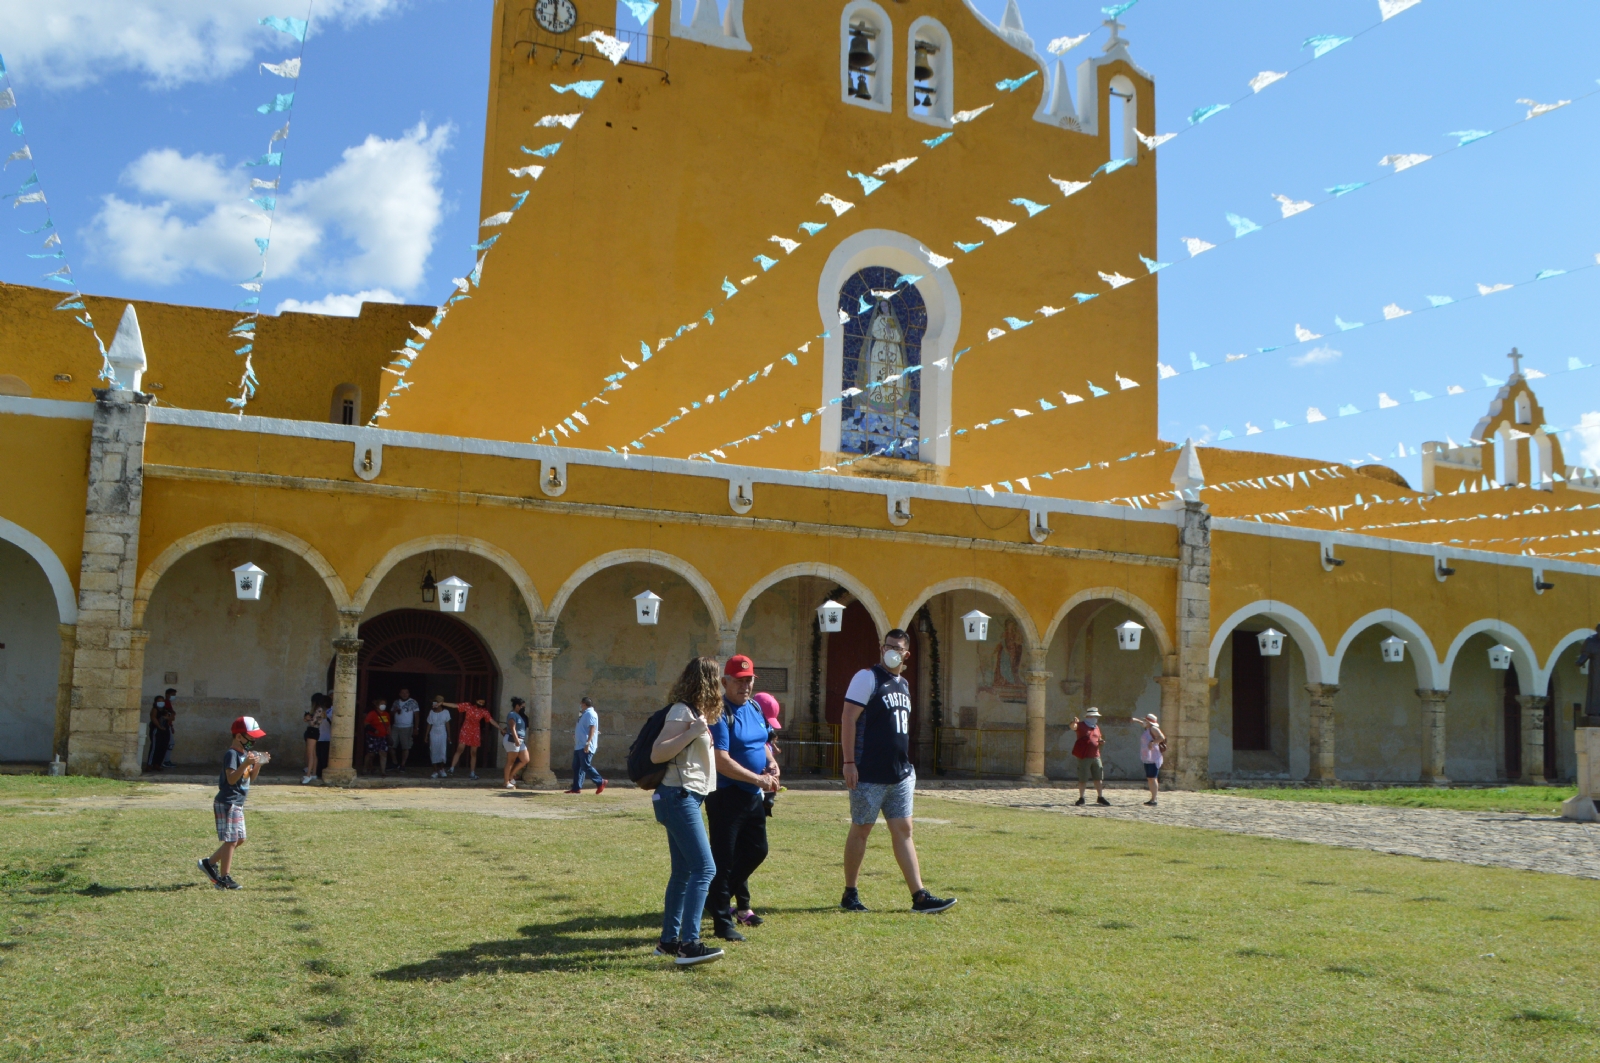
point(693, 868)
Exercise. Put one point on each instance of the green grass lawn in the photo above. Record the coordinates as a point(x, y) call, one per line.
point(419, 935)
point(1537, 800)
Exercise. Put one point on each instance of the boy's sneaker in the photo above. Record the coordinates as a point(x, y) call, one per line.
point(1101, 800)
point(211, 871)
point(598, 790)
point(851, 901)
point(227, 883)
point(693, 952)
point(925, 903)
point(666, 948)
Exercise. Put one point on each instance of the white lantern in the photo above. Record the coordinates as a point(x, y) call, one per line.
point(648, 607)
point(1500, 657)
point(830, 616)
point(1271, 642)
point(977, 626)
point(453, 594)
point(1128, 634)
point(1394, 649)
point(247, 580)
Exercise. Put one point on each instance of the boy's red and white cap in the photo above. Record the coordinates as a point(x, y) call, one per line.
point(247, 726)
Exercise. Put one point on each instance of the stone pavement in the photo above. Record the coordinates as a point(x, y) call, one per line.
point(1494, 839)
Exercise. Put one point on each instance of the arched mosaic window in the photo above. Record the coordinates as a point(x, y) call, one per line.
point(882, 339)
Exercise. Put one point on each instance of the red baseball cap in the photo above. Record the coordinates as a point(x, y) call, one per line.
point(739, 667)
point(247, 726)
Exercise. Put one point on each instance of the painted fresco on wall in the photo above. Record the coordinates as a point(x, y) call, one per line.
point(1001, 668)
point(881, 341)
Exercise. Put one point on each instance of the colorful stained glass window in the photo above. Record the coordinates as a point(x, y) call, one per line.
point(882, 339)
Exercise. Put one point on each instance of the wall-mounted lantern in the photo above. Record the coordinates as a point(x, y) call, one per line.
point(1128, 634)
point(1394, 649)
point(1271, 642)
point(247, 580)
point(647, 608)
point(1500, 657)
point(976, 624)
point(430, 590)
point(453, 594)
point(830, 616)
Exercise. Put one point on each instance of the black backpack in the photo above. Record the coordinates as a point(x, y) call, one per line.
point(644, 772)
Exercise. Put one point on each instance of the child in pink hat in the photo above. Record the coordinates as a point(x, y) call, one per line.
point(771, 710)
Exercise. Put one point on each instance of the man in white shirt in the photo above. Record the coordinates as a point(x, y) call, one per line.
point(585, 741)
point(404, 712)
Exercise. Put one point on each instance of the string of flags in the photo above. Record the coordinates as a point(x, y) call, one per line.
point(31, 191)
point(264, 196)
point(407, 355)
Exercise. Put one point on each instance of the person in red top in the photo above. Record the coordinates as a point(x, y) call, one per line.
point(376, 724)
point(1087, 751)
point(473, 717)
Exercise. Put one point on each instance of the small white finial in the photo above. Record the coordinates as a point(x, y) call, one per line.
point(126, 355)
point(1187, 477)
point(1012, 19)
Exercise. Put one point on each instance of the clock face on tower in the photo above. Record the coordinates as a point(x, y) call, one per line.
point(556, 16)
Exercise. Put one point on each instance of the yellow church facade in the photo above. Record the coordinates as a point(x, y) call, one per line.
point(376, 470)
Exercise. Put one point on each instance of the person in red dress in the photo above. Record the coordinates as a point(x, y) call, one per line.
point(473, 717)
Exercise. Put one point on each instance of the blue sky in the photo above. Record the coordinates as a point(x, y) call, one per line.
point(139, 113)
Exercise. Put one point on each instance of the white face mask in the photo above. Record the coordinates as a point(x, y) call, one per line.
point(893, 659)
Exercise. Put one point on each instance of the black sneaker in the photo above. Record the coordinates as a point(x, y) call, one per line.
point(227, 883)
point(693, 952)
point(851, 901)
point(727, 933)
point(1101, 800)
point(1079, 801)
point(666, 948)
point(211, 872)
point(1151, 803)
point(925, 903)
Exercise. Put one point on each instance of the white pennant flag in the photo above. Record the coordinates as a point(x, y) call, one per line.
point(1404, 162)
point(1390, 8)
point(1069, 187)
point(607, 45)
point(550, 121)
point(1291, 207)
point(1265, 78)
point(1196, 245)
point(289, 68)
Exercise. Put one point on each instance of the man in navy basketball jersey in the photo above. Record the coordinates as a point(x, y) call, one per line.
point(875, 739)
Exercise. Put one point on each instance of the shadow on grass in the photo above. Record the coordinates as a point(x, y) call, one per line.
point(95, 889)
point(581, 943)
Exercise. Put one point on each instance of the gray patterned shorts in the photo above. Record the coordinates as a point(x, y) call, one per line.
point(894, 800)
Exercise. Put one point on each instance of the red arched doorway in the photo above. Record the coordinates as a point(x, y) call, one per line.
point(427, 653)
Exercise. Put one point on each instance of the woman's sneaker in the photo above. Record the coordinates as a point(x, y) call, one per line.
point(666, 948)
point(693, 952)
point(925, 903)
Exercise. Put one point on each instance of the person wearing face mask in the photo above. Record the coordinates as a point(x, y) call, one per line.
point(1086, 750)
point(874, 737)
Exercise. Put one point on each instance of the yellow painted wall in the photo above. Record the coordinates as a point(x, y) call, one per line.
point(45, 463)
point(662, 190)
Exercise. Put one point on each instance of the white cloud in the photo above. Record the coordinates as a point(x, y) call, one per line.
point(169, 41)
point(339, 305)
point(1317, 356)
point(1589, 432)
point(368, 223)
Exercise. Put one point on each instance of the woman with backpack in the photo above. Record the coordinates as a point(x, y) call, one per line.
point(1152, 746)
point(684, 746)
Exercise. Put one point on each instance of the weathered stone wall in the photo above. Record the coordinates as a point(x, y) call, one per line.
point(1378, 717)
point(30, 658)
point(1474, 732)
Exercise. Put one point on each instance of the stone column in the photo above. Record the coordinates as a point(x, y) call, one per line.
point(538, 771)
point(1189, 728)
point(1533, 709)
point(1433, 737)
point(107, 660)
point(346, 675)
point(1033, 740)
point(1323, 767)
point(727, 641)
point(69, 648)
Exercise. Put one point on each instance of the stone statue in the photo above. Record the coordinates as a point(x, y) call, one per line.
point(1590, 654)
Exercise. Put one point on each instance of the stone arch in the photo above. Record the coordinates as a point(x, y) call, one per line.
point(1571, 638)
point(982, 586)
point(863, 594)
point(222, 532)
point(1421, 652)
point(1319, 665)
point(477, 547)
point(690, 574)
point(1530, 676)
point(1151, 619)
point(54, 570)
